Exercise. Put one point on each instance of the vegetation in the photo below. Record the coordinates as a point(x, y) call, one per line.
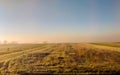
point(114, 44)
point(66, 58)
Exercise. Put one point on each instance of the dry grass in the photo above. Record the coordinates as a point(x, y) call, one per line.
point(70, 58)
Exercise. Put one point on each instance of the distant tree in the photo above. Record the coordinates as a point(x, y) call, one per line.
point(44, 42)
point(14, 42)
point(5, 42)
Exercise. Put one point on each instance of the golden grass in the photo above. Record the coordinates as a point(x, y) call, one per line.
point(70, 58)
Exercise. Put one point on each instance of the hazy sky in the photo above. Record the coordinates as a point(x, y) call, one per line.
point(60, 20)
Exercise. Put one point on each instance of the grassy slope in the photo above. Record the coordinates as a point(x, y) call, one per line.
point(59, 58)
point(108, 44)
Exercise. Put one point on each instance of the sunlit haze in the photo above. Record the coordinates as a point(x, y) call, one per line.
point(35, 21)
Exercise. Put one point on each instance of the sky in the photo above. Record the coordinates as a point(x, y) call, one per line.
point(34, 21)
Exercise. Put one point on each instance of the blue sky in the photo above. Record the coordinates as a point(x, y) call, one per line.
point(59, 20)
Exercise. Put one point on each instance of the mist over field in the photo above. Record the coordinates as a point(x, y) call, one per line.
point(41, 37)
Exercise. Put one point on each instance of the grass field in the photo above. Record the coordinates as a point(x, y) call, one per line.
point(61, 58)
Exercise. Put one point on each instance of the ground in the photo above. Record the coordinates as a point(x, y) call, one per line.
point(60, 58)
